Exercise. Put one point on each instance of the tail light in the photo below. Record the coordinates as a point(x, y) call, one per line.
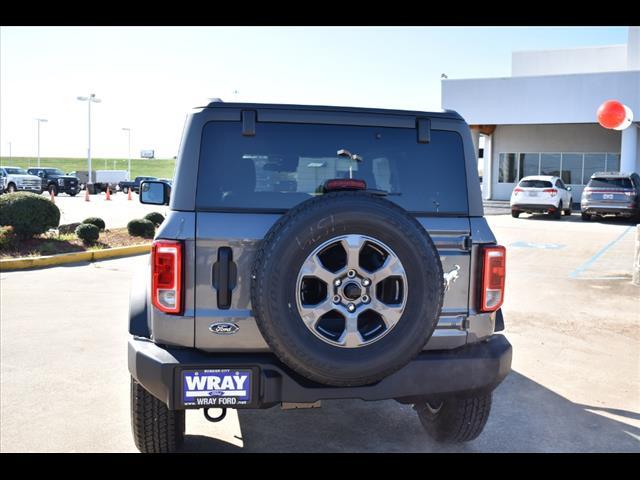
point(166, 276)
point(517, 190)
point(493, 275)
point(551, 191)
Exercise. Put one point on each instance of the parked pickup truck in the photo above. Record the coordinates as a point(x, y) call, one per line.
point(55, 181)
point(135, 185)
point(17, 179)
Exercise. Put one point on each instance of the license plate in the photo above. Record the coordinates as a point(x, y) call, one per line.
point(607, 196)
point(227, 387)
point(533, 194)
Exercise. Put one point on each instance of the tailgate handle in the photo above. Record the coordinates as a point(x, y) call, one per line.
point(224, 277)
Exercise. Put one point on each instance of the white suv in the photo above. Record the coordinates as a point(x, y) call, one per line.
point(541, 194)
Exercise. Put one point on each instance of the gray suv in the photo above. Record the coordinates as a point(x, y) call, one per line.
point(611, 193)
point(317, 253)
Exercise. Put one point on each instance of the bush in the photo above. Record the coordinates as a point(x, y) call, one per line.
point(88, 232)
point(155, 217)
point(29, 214)
point(141, 228)
point(8, 238)
point(68, 228)
point(97, 221)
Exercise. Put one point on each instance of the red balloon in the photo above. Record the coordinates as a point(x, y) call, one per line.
point(611, 114)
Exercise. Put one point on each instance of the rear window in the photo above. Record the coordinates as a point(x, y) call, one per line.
point(285, 164)
point(619, 182)
point(535, 184)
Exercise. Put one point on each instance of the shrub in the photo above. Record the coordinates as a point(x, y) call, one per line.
point(29, 214)
point(8, 238)
point(87, 232)
point(97, 221)
point(141, 228)
point(67, 228)
point(155, 217)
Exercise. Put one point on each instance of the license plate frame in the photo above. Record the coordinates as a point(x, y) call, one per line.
point(607, 196)
point(212, 392)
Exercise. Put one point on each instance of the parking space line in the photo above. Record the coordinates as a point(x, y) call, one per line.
point(585, 266)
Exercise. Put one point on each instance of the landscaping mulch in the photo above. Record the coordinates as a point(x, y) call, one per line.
point(52, 243)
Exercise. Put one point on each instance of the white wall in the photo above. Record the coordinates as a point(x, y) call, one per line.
point(550, 139)
point(540, 100)
point(610, 58)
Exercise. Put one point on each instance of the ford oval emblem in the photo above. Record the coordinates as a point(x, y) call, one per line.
point(224, 328)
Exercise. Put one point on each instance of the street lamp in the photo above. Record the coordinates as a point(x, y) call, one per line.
point(39, 120)
point(128, 130)
point(90, 99)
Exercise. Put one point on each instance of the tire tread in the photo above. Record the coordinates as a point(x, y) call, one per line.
point(156, 429)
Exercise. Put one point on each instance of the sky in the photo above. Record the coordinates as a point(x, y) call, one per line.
point(149, 78)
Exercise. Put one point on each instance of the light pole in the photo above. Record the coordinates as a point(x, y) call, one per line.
point(128, 130)
point(39, 120)
point(90, 99)
point(9, 153)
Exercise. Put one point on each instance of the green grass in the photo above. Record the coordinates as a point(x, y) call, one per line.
point(161, 168)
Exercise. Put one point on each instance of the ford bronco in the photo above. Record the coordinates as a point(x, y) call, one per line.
point(317, 253)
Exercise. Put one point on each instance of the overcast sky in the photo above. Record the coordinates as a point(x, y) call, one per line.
point(149, 77)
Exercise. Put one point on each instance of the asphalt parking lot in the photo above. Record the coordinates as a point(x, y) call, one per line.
point(571, 313)
point(116, 212)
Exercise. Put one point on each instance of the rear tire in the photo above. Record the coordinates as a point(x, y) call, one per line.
point(515, 213)
point(11, 188)
point(568, 210)
point(156, 429)
point(455, 420)
point(586, 217)
point(557, 215)
point(53, 189)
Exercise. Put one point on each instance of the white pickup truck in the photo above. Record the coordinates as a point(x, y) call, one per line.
point(16, 179)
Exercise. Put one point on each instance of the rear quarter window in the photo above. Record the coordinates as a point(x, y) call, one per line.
point(285, 164)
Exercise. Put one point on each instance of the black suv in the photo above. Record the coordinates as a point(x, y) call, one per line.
point(317, 253)
point(56, 181)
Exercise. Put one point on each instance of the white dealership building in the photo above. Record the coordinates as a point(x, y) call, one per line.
point(542, 119)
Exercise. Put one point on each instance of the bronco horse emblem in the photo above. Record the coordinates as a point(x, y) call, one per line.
point(451, 277)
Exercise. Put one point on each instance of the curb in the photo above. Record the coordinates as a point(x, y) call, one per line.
point(74, 257)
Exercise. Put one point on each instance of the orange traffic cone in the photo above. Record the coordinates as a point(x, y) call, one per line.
point(86, 194)
point(129, 196)
point(108, 194)
point(53, 195)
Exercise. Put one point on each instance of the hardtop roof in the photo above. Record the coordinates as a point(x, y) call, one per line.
point(450, 114)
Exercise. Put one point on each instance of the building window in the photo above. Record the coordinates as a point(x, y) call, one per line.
point(529, 164)
point(550, 164)
point(507, 168)
point(613, 162)
point(572, 168)
point(593, 162)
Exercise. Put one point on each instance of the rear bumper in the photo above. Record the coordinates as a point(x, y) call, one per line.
point(533, 207)
point(469, 370)
point(626, 210)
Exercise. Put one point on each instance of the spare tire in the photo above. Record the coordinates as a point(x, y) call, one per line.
point(347, 288)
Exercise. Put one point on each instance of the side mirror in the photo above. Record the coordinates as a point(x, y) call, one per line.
point(154, 193)
point(41, 174)
point(568, 189)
